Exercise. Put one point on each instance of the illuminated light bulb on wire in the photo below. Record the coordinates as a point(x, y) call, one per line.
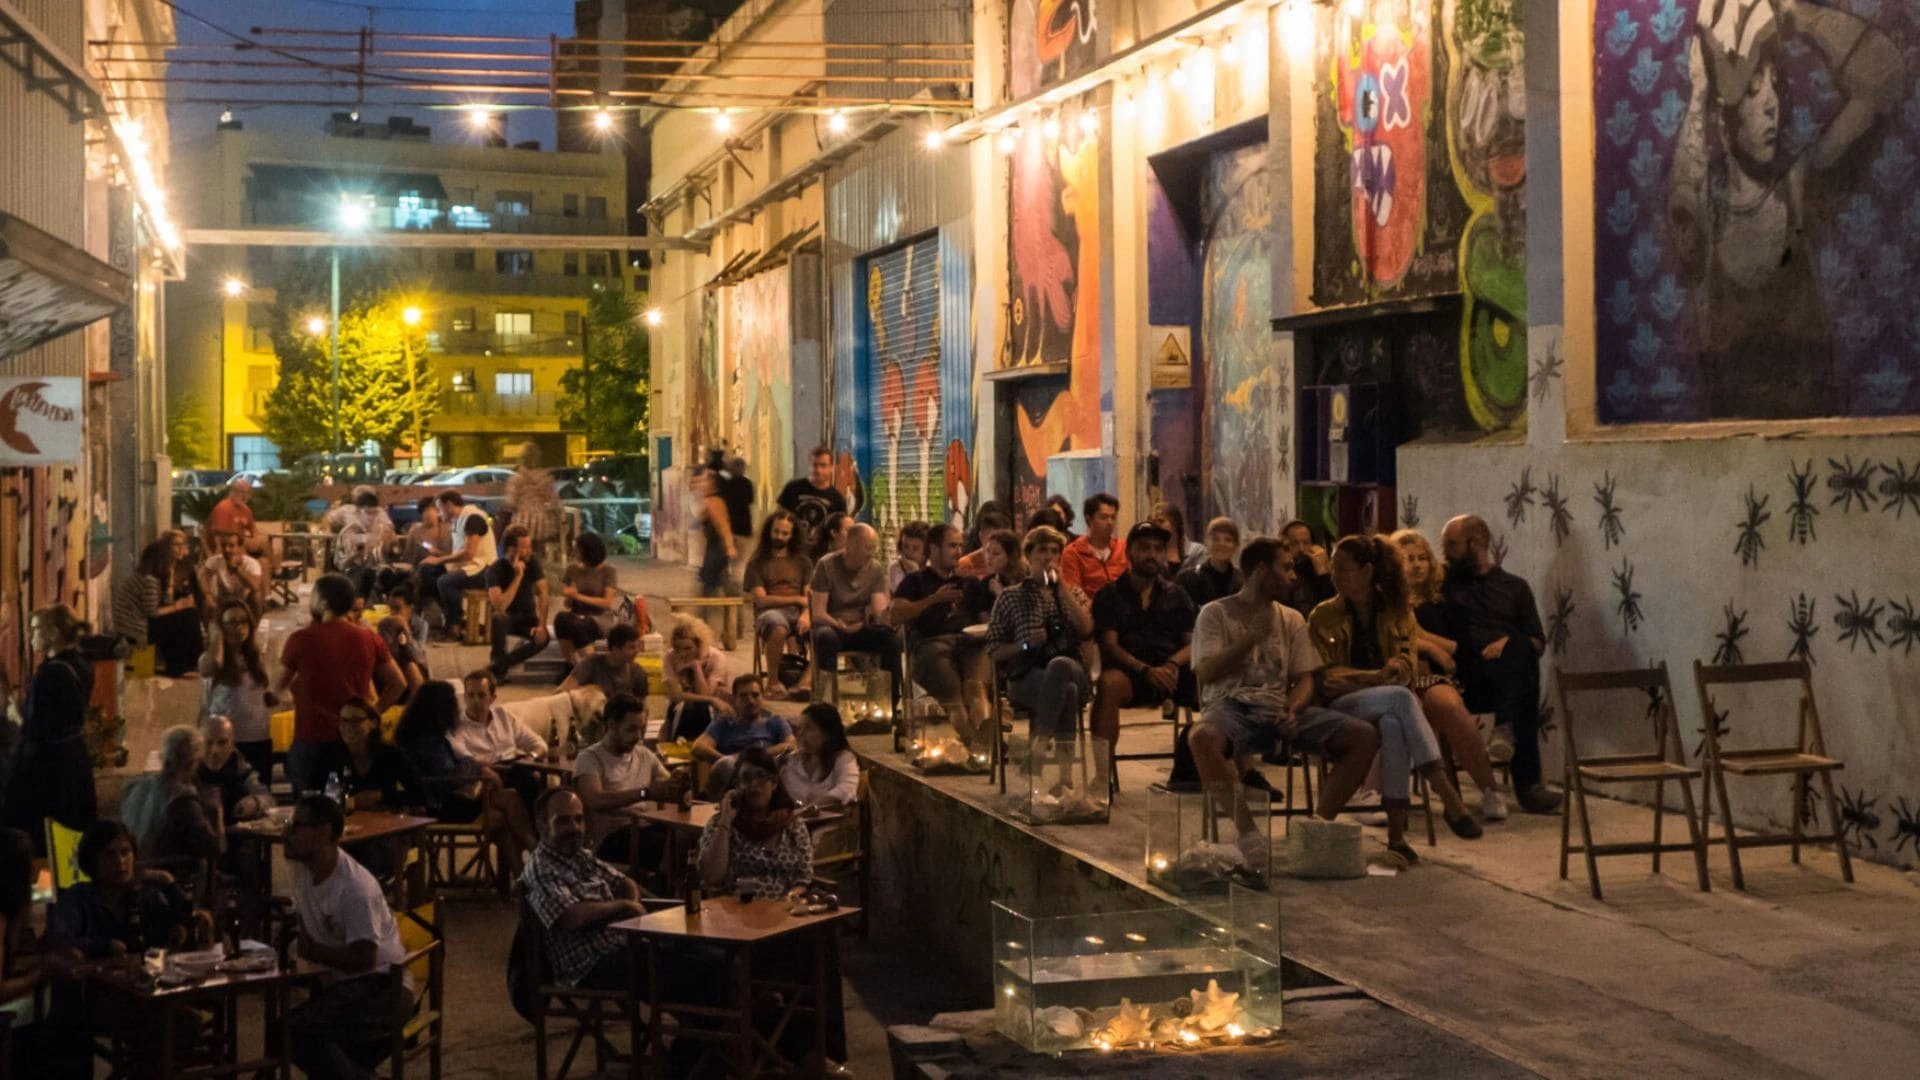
point(1089, 122)
point(655, 317)
point(479, 119)
point(602, 121)
point(1178, 78)
point(837, 122)
point(722, 121)
point(1229, 51)
point(1051, 129)
point(936, 139)
point(1009, 139)
point(234, 286)
point(1126, 110)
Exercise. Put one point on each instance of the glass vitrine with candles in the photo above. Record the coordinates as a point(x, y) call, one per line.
point(1201, 842)
point(1157, 977)
point(936, 745)
point(863, 690)
point(1062, 780)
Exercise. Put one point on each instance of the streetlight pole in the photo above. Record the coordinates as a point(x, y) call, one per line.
point(333, 350)
point(410, 316)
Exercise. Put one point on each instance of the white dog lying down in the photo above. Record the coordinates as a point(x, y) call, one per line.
point(578, 710)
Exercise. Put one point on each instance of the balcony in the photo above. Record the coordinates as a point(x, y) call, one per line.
point(309, 214)
point(486, 403)
point(494, 343)
point(494, 283)
point(542, 224)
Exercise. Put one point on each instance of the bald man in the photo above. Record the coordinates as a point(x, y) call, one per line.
point(1492, 617)
point(850, 604)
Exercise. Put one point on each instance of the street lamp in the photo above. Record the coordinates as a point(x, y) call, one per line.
point(353, 217)
point(655, 317)
point(316, 326)
point(233, 287)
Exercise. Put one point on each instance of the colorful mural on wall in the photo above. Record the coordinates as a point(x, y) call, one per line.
point(1756, 222)
point(703, 390)
point(1249, 403)
point(901, 320)
point(1051, 40)
point(1054, 248)
point(760, 340)
point(1420, 181)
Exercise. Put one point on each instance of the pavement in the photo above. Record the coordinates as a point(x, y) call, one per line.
point(1481, 961)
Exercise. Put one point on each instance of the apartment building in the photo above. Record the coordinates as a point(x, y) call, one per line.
point(503, 321)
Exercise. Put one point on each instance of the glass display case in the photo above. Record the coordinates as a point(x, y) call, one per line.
point(1168, 976)
point(935, 746)
point(863, 690)
point(1198, 844)
point(1060, 781)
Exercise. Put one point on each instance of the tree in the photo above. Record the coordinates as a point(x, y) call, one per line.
point(378, 401)
point(606, 396)
point(189, 442)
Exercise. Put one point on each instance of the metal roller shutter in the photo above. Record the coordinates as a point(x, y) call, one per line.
point(905, 415)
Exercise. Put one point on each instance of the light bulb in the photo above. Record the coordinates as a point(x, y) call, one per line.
point(722, 122)
point(479, 119)
point(655, 317)
point(234, 286)
point(316, 326)
point(936, 139)
point(1051, 129)
point(602, 121)
point(1089, 122)
point(1009, 139)
point(837, 123)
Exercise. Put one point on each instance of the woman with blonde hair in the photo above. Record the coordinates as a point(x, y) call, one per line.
point(1446, 709)
point(52, 774)
point(695, 672)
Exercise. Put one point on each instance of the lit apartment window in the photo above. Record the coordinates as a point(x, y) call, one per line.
point(462, 319)
point(464, 216)
point(512, 383)
point(513, 262)
point(513, 203)
point(463, 381)
point(513, 322)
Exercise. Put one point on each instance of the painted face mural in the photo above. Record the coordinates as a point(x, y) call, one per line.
point(1382, 86)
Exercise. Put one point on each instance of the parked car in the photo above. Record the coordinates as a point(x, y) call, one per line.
point(484, 474)
point(201, 478)
point(255, 476)
point(342, 468)
point(627, 474)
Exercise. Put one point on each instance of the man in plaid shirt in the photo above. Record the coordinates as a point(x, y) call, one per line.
point(577, 896)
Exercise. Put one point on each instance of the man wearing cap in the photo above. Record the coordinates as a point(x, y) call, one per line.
point(1144, 624)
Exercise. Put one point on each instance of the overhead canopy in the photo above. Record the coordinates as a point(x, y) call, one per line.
point(49, 288)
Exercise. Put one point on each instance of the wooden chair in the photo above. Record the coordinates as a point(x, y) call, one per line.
point(63, 853)
point(730, 608)
point(423, 935)
point(289, 567)
point(1665, 763)
point(858, 863)
point(460, 857)
point(1806, 757)
point(591, 1012)
point(476, 613)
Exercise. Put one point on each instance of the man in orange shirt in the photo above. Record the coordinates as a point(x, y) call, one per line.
point(232, 514)
point(1094, 561)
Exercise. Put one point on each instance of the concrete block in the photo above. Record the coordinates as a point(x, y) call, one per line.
point(1325, 849)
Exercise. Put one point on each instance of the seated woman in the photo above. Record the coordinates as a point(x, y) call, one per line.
point(756, 840)
point(455, 788)
point(1365, 635)
point(376, 774)
point(592, 591)
point(404, 631)
point(820, 773)
point(168, 813)
point(1183, 553)
point(1434, 667)
point(1005, 567)
point(696, 676)
point(157, 607)
point(120, 910)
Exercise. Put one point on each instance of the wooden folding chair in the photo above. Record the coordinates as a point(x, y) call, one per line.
point(423, 935)
point(1666, 762)
point(855, 865)
point(592, 1013)
point(1807, 757)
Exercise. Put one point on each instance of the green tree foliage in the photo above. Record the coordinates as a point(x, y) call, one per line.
point(606, 396)
point(189, 442)
point(376, 404)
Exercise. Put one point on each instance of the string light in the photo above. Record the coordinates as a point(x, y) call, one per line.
point(837, 122)
point(479, 118)
point(1009, 139)
point(655, 317)
point(1126, 110)
point(139, 166)
point(1051, 129)
point(234, 287)
point(602, 121)
point(723, 121)
point(936, 139)
point(1089, 122)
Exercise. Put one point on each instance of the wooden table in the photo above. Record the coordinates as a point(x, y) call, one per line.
point(133, 999)
point(680, 824)
point(736, 928)
point(363, 826)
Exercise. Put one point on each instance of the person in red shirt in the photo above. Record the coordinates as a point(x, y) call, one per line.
point(1095, 561)
point(232, 514)
point(328, 662)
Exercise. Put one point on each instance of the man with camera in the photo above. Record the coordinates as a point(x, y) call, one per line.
point(1035, 633)
point(936, 606)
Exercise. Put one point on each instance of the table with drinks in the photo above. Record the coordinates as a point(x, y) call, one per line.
point(178, 1010)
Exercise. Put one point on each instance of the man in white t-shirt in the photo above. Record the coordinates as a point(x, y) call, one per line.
point(615, 775)
point(345, 926)
point(1258, 671)
point(474, 551)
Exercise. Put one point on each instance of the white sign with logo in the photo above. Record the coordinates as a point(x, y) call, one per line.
point(42, 419)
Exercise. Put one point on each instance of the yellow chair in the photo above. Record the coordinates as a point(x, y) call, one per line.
point(655, 667)
point(423, 935)
point(63, 851)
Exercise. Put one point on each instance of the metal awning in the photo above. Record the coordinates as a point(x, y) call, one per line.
point(49, 288)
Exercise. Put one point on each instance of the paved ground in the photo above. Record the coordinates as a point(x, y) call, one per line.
point(1493, 966)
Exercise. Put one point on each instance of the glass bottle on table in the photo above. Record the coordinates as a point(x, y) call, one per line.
point(553, 739)
point(693, 886)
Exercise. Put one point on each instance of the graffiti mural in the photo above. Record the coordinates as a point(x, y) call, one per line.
point(1249, 402)
point(703, 391)
point(901, 329)
point(1486, 99)
point(760, 340)
point(1756, 224)
point(1054, 249)
point(1051, 40)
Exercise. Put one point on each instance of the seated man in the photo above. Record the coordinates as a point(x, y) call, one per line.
point(428, 545)
point(1496, 625)
point(776, 583)
point(491, 736)
point(850, 605)
point(517, 589)
point(466, 568)
point(226, 776)
point(1216, 576)
point(936, 604)
point(405, 632)
point(575, 895)
point(1092, 562)
point(614, 774)
point(345, 927)
point(1259, 675)
point(748, 725)
point(612, 670)
point(1144, 624)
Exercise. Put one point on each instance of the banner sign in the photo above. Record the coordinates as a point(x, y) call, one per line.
point(42, 419)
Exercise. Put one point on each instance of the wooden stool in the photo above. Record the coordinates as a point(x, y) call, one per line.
point(1665, 762)
point(477, 611)
point(1806, 757)
point(730, 611)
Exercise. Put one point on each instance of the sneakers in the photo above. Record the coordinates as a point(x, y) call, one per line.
point(1364, 808)
point(1492, 806)
point(1500, 745)
point(1538, 800)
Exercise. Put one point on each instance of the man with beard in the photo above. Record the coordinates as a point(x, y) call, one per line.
point(813, 498)
point(1493, 617)
point(576, 896)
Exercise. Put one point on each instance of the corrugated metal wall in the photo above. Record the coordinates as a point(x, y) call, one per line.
point(43, 168)
point(888, 22)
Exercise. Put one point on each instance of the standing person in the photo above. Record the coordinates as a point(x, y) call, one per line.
point(327, 663)
point(591, 589)
point(695, 671)
point(1497, 625)
point(813, 498)
point(776, 582)
point(1035, 631)
point(850, 605)
point(430, 546)
point(1097, 559)
point(52, 772)
point(232, 575)
point(1182, 552)
point(474, 535)
point(517, 589)
point(1215, 575)
point(716, 528)
point(156, 606)
point(362, 998)
point(735, 490)
point(235, 685)
point(532, 502)
point(1312, 568)
point(911, 553)
point(233, 514)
